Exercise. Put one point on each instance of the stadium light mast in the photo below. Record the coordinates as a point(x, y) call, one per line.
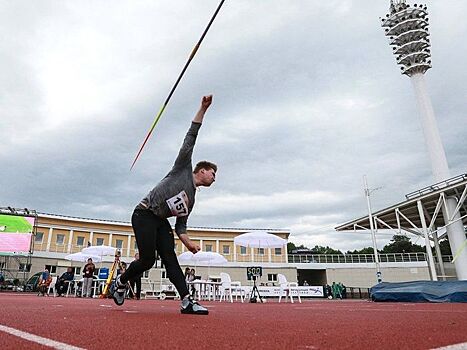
point(406, 27)
point(379, 277)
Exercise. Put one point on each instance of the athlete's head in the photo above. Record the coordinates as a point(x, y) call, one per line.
point(205, 173)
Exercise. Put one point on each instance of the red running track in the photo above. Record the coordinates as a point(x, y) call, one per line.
point(154, 324)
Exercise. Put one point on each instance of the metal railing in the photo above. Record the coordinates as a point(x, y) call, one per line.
point(355, 258)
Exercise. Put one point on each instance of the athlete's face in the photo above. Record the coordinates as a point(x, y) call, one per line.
point(208, 177)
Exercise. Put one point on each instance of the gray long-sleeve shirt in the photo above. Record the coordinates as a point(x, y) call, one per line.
point(174, 195)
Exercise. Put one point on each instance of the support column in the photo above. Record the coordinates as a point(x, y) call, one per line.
point(49, 238)
point(91, 237)
point(439, 163)
point(110, 239)
point(456, 236)
point(439, 256)
point(235, 252)
point(269, 255)
point(431, 261)
point(128, 248)
point(217, 246)
point(252, 252)
point(70, 242)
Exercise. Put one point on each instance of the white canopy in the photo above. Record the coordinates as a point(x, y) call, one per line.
point(83, 257)
point(99, 250)
point(208, 257)
point(259, 239)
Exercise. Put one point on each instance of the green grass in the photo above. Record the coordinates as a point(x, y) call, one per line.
point(11, 223)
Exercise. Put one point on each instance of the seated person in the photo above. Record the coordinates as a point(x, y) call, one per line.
point(63, 282)
point(44, 282)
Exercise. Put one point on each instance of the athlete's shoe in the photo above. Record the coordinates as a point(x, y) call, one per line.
point(117, 291)
point(189, 306)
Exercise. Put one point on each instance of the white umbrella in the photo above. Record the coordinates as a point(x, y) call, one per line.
point(99, 250)
point(83, 257)
point(259, 239)
point(208, 257)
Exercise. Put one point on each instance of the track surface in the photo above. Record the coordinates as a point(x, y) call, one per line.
point(151, 324)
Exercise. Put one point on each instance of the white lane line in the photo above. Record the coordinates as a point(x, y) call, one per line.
point(460, 346)
point(36, 339)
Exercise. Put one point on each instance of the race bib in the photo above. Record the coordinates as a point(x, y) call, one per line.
point(178, 204)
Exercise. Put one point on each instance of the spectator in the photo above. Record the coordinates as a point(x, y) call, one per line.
point(343, 290)
point(191, 278)
point(88, 273)
point(135, 282)
point(328, 291)
point(44, 282)
point(305, 283)
point(336, 290)
point(63, 283)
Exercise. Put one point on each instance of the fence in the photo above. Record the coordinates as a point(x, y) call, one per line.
point(356, 258)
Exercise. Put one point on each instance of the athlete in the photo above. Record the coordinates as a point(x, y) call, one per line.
point(174, 195)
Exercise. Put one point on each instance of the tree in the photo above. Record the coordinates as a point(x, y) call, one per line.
point(401, 244)
point(445, 247)
point(291, 246)
point(367, 250)
point(324, 250)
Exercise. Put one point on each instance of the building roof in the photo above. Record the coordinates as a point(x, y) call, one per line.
point(429, 196)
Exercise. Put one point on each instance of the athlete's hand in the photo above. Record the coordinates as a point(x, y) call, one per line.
point(206, 102)
point(191, 246)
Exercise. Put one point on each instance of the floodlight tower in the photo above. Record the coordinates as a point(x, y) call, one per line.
point(407, 29)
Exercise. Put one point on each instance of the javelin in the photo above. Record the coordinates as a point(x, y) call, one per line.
point(193, 53)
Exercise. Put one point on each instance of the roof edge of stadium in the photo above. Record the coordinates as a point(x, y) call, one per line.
point(126, 223)
point(412, 198)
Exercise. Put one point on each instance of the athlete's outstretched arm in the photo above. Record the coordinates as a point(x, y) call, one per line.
point(205, 103)
point(184, 155)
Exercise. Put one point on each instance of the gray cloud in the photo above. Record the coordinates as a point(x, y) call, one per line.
point(307, 99)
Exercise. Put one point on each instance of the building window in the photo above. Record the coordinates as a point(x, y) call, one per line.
point(260, 251)
point(225, 249)
point(242, 250)
point(25, 267)
point(277, 251)
point(119, 243)
point(163, 274)
point(60, 239)
point(209, 247)
point(77, 270)
point(146, 274)
point(272, 277)
point(51, 268)
point(39, 237)
point(99, 241)
point(80, 241)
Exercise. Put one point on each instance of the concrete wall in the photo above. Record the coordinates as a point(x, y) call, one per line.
point(366, 278)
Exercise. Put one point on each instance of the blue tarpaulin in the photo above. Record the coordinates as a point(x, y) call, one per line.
point(421, 291)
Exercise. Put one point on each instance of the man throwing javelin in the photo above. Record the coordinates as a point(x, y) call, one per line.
point(174, 195)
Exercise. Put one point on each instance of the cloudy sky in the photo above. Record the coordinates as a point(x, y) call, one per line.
point(307, 100)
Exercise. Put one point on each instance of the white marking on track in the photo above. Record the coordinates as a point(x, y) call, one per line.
point(39, 340)
point(106, 305)
point(130, 311)
point(460, 346)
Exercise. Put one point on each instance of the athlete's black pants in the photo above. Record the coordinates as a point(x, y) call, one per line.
point(153, 233)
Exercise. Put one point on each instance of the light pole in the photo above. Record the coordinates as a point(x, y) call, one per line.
point(379, 277)
point(406, 27)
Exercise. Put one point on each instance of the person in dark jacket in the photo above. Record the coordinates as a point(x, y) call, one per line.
point(135, 282)
point(63, 283)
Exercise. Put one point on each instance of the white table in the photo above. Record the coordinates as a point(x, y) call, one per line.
point(206, 289)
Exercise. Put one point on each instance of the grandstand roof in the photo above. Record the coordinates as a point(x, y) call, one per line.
point(429, 197)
